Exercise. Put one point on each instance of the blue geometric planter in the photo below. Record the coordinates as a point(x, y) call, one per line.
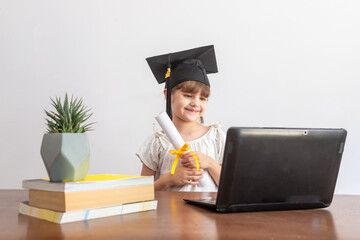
point(66, 156)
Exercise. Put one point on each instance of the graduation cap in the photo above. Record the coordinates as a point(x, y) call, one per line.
point(178, 67)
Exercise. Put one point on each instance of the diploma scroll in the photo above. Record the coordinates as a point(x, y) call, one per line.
point(170, 130)
point(176, 140)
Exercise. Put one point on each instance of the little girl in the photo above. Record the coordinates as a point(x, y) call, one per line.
point(187, 92)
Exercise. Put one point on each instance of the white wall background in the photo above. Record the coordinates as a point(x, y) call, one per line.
point(281, 63)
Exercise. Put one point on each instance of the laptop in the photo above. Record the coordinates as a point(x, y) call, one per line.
point(269, 169)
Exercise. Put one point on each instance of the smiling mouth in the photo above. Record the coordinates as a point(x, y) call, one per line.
point(192, 110)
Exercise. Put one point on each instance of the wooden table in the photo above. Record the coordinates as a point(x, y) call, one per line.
point(174, 219)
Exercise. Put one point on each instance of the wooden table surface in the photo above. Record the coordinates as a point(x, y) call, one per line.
point(174, 219)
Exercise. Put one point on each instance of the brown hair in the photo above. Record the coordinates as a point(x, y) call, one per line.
point(193, 87)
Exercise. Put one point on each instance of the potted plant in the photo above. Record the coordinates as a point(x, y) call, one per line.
point(65, 147)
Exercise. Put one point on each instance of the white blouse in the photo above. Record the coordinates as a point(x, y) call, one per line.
point(154, 153)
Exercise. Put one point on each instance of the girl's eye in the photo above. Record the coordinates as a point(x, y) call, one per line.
point(187, 95)
point(203, 99)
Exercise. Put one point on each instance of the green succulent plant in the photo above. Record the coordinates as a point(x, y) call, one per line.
point(68, 117)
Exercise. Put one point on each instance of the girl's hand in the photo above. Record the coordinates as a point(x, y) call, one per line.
point(188, 160)
point(185, 176)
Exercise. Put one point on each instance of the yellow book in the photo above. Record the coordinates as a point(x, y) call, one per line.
point(91, 182)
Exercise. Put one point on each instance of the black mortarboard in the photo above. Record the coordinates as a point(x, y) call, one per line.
point(189, 65)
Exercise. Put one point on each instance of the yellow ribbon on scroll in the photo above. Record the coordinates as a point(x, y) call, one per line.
point(180, 152)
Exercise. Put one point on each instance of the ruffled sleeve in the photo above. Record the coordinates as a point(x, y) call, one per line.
point(149, 152)
point(220, 141)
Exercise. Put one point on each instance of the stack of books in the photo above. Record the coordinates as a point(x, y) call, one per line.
point(97, 196)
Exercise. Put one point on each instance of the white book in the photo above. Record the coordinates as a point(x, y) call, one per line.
point(91, 182)
point(83, 215)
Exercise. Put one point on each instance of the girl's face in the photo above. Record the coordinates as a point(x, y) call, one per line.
point(187, 106)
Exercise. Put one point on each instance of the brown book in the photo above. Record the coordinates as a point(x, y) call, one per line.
point(69, 201)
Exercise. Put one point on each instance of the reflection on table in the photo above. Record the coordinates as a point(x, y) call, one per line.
point(175, 219)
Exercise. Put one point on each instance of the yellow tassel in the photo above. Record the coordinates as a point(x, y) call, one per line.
point(168, 73)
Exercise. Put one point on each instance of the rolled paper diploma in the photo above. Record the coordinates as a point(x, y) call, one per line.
point(170, 130)
point(176, 140)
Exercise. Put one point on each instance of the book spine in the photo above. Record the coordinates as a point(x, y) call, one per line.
point(63, 202)
point(83, 215)
point(45, 214)
point(41, 184)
